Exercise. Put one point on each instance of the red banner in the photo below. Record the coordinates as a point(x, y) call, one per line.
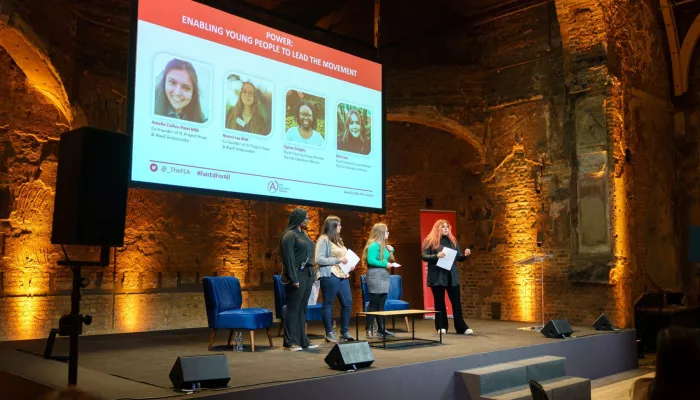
point(201, 21)
point(427, 219)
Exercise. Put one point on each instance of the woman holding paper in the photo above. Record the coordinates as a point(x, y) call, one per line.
point(439, 244)
point(330, 254)
point(379, 256)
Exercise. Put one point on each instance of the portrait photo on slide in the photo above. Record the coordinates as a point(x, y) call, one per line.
point(248, 105)
point(305, 121)
point(182, 89)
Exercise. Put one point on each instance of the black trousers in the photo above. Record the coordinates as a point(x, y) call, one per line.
point(295, 319)
point(376, 303)
point(453, 293)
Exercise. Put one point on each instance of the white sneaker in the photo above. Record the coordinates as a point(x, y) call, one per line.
point(293, 348)
point(469, 332)
point(443, 331)
point(312, 346)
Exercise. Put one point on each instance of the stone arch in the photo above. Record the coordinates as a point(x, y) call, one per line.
point(37, 67)
point(686, 53)
point(430, 116)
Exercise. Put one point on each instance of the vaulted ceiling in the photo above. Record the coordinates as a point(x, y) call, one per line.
point(682, 22)
point(400, 20)
point(350, 19)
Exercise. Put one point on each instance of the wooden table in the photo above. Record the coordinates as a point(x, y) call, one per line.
point(399, 313)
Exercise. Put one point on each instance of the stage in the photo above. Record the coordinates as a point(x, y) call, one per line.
point(136, 365)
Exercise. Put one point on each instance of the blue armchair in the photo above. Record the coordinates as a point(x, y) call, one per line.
point(393, 298)
point(223, 299)
point(313, 313)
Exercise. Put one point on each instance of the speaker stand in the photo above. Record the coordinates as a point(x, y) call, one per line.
point(533, 260)
point(71, 325)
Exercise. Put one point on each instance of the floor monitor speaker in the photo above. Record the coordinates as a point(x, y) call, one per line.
point(193, 372)
point(603, 324)
point(557, 329)
point(350, 356)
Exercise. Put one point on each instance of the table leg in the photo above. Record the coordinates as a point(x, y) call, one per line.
point(384, 334)
point(413, 327)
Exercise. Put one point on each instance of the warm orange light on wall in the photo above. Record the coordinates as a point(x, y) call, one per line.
point(521, 201)
point(619, 276)
point(28, 317)
point(526, 292)
point(36, 66)
point(130, 312)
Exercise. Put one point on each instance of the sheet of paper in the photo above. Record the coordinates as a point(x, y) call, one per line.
point(449, 259)
point(353, 259)
point(315, 290)
point(395, 265)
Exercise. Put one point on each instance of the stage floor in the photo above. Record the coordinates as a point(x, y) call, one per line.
point(145, 359)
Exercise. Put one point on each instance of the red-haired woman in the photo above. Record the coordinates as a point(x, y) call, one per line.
point(441, 280)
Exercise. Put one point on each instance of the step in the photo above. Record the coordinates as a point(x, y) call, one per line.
point(564, 388)
point(493, 378)
point(521, 392)
point(543, 368)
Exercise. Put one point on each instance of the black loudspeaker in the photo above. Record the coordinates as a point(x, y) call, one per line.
point(350, 356)
point(192, 372)
point(91, 188)
point(557, 329)
point(603, 324)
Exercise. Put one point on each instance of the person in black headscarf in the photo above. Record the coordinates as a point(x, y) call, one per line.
point(298, 275)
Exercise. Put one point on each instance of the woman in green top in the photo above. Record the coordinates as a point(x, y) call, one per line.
point(379, 257)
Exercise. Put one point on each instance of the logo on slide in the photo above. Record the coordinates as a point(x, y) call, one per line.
point(273, 186)
point(154, 167)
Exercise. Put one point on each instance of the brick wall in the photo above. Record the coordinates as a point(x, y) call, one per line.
point(513, 83)
point(687, 153)
point(643, 150)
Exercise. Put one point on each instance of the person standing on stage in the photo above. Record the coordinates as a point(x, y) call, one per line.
point(330, 252)
point(441, 280)
point(379, 256)
point(298, 275)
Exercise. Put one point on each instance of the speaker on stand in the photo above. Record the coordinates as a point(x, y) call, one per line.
point(89, 210)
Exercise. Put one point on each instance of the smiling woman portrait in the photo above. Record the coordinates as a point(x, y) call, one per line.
point(354, 125)
point(305, 119)
point(178, 92)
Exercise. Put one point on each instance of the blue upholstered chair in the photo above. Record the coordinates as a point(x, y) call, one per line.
point(223, 299)
point(313, 313)
point(393, 298)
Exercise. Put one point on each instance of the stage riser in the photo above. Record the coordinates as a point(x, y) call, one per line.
point(591, 358)
point(502, 378)
point(568, 388)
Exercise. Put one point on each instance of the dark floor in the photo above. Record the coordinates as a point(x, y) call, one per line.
point(148, 357)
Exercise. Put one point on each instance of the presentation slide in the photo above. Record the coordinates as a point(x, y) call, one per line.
point(222, 103)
